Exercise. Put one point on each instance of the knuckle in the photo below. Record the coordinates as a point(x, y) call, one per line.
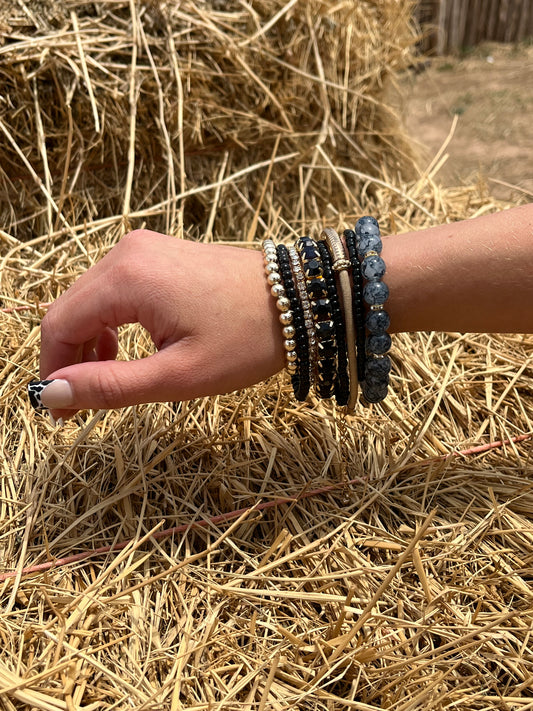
point(109, 388)
point(51, 324)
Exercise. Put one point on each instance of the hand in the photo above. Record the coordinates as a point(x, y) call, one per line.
point(207, 308)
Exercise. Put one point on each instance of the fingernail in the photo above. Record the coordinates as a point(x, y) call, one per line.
point(50, 393)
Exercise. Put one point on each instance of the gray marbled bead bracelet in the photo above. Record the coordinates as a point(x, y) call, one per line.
point(377, 321)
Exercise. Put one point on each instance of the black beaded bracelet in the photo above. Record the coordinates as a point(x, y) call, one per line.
point(342, 379)
point(326, 368)
point(375, 293)
point(300, 379)
point(357, 302)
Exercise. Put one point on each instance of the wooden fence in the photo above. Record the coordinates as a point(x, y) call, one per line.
point(450, 25)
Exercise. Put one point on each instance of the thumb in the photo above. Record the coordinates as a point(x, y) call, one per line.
point(161, 377)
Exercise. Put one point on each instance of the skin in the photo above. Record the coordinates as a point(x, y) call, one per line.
point(215, 324)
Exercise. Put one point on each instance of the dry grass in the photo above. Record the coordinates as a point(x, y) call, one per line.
point(402, 579)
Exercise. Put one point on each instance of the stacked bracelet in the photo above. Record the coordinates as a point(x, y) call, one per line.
point(342, 379)
point(282, 302)
point(322, 316)
point(334, 328)
point(377, 321)
point(300, 379)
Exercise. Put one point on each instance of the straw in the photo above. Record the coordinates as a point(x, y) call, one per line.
point(380, 560)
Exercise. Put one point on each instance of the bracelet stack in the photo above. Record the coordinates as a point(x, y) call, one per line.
point(331, 310)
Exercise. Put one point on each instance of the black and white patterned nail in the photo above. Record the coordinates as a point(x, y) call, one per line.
point(35, 391)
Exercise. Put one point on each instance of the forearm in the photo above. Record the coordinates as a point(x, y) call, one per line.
point(470, 276)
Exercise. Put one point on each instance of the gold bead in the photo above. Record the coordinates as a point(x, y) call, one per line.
point(285, 318)
point(271, 267)
point(289, 331)
point(273, 278)
point(283, 303)
point(289, 345)
point(277, 290)
point(291, 356)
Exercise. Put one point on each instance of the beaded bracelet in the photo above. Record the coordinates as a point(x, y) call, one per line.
point(282, 302)
point(300, 379)
point(358, 307)
point(342, 380)
point(297, 271)
point(375, 293)
point(321, 309)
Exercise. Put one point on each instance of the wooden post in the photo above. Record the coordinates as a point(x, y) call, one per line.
point(442, 39)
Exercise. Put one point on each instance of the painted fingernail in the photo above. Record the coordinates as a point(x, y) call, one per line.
point(50, 393)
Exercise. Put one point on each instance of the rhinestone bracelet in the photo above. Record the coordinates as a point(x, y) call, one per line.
point(297, 270)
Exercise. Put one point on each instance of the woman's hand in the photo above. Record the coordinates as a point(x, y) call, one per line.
point(207, 307)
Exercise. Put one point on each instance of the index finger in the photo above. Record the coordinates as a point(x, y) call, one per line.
point(95, 304)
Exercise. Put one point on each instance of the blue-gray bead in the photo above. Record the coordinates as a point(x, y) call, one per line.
point(378, 343)
point(377, 368)
point(375, 292)
point(374, 393)
point(372, 382)
point(373, 267)
point(367, 223)
point(377, 321)
point(369, 243)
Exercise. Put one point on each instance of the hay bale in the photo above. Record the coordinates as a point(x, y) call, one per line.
point(111, 108)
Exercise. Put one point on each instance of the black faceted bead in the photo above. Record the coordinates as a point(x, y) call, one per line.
point(327, 349)
point(309, 252)
point(317, 288)
point(325, 329)
point(312, 268)
point(321, 309)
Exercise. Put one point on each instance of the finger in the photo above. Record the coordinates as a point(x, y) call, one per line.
point(107, 345)
point(101, 300)
point(166, 375)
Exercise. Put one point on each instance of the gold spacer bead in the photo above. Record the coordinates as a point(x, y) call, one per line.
point(341, 264)
point(274, 278)
point(291, 356)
